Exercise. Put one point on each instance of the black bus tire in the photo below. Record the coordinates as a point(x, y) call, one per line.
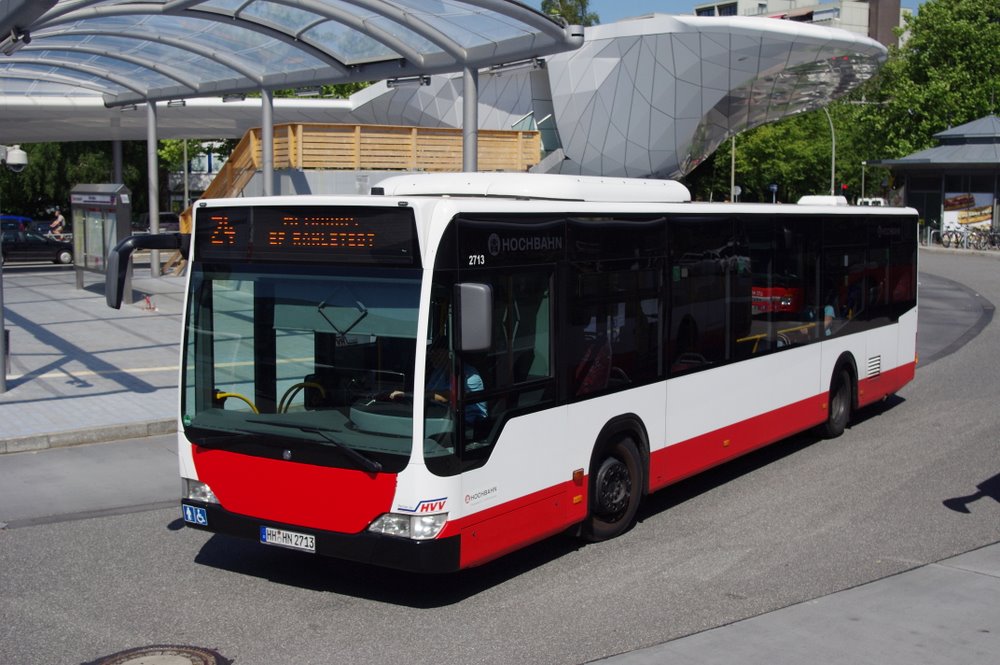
point(839, 405)
point(615, 490)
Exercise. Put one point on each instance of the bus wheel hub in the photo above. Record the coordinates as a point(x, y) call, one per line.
point(614, 485)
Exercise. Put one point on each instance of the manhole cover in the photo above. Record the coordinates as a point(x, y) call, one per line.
point(163, 654)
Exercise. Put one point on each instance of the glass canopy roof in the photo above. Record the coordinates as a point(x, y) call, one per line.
point(131, 51)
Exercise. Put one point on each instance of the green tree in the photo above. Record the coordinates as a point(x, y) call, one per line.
point(575, 12)
point(54, 168)
point(946, 73)
point(171, 152)
point(334, 90)
point(794, 154)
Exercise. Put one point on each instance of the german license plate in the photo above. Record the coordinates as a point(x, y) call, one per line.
point(296, 541)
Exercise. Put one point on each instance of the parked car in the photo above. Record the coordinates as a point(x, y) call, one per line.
point(28, 246)
point(14, 223)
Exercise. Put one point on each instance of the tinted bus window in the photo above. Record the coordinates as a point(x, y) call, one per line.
point(710, 292)
point(614, 309)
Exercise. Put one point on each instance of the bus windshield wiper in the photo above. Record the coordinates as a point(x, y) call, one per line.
point(368, 464)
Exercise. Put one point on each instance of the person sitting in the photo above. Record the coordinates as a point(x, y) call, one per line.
point(829, 314)
point(440, 387)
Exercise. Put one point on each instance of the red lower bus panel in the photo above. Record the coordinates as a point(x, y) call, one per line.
point(689, 457)
point(875, 388)
point(503, 529)
point(318, 497)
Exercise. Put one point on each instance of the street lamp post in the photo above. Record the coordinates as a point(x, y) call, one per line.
point(863, 165)
point(15, 159)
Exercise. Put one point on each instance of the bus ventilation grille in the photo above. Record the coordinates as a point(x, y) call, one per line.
point(875, 366)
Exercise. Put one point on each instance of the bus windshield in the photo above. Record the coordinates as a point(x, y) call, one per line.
point(298, 358)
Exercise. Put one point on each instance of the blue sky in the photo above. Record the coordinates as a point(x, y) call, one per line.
point(614, 10)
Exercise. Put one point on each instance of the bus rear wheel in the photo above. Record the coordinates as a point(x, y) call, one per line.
point(839, 404)
point(615, 490)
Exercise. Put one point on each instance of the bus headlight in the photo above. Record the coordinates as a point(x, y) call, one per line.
point(414, 527)
point(196, 490)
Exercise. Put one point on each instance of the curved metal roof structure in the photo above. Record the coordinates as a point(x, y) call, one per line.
point(131, 51)
point(644, 97)
point(651, 96)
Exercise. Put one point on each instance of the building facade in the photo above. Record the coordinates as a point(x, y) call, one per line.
point(874, 18)
point(956, 183)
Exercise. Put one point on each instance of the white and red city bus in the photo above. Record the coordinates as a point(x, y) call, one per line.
point(433, 377)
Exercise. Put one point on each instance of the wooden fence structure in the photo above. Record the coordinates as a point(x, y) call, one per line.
point(371, 147)
point(306, 146)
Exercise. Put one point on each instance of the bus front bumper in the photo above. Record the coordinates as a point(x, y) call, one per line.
point(422, 556)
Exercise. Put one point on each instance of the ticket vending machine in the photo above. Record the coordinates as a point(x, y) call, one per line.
point(102, 216)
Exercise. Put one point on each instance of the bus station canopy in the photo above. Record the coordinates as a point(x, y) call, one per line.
point(135, 51)
point(649, 96)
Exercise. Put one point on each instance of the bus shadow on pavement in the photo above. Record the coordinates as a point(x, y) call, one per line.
point(369, 582)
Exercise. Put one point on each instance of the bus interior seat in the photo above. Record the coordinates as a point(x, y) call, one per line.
point(594, 369)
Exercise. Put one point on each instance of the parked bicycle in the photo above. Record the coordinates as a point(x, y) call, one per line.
point(969, 238)
point(954, 237)
point(991, 239)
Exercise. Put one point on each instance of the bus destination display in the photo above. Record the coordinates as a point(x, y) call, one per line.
point(320, 231)
point(369, 235)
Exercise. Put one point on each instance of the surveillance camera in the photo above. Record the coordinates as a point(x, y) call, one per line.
point(17, 159)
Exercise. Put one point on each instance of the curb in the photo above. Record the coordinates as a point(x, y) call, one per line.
point(91, 435)
point(958, 251)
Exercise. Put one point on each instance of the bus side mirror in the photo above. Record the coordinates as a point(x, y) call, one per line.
point(116, 268)
point(475, 315)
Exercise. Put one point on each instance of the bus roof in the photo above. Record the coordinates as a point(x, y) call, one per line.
point(535, 186)
point(822, 200)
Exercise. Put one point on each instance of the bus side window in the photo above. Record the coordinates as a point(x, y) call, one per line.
point(590, 352)
point(613, 325)
point(522, 343)
point(708, 283)
point(845, 288)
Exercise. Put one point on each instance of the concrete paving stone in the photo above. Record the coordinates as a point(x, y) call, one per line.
point(81, 372)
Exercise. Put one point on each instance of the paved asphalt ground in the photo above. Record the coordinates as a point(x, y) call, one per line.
point(82, 373)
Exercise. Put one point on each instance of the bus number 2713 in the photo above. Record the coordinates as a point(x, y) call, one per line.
point(477, 259)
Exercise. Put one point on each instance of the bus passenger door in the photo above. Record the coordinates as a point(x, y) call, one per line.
point(484, 390)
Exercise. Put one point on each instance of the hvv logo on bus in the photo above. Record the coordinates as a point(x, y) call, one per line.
point(426, 506)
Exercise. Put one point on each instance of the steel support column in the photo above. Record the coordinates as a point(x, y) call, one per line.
point(267, 141)
point(470, 120)
point(152, 167)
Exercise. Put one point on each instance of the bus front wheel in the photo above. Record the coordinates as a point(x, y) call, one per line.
point(839, 404)
point(615, 490)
